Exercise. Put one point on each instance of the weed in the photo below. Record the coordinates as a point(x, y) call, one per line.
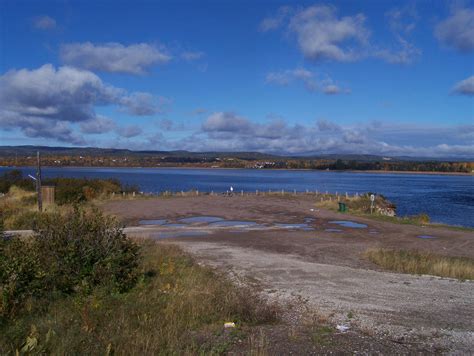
point(415, 262)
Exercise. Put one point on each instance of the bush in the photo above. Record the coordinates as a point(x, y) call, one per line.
point(15, 177)
point(67, 254)
point(75, 190)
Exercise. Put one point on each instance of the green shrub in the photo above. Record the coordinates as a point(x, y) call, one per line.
point(15, 177)
point(84, 249)
point(76, 190)
point(68, 253)
point(20, 274)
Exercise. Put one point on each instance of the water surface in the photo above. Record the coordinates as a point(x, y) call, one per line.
point(445, 198)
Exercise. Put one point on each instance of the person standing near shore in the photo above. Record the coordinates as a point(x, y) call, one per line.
point(231, 190)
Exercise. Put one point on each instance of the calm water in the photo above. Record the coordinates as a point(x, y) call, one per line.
point(447, 199)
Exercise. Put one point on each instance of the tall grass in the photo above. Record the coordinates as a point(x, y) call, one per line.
point(414, 262)
point(178, 307)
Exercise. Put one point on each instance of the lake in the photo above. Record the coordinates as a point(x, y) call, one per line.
point(446, 199)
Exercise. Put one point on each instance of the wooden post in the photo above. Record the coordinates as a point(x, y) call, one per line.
point(38, 182)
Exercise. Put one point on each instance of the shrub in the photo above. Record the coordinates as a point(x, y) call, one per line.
point(68, 253)
point(15, 177)
point(76, 190)
point(20, 274)
point(84, 249)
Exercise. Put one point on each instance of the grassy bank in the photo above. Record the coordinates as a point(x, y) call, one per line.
point(414, 262)
point(177, 307)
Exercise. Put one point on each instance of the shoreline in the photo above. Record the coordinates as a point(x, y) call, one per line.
point(256, 169)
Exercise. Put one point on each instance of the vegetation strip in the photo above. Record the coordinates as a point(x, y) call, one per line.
point(415, 262)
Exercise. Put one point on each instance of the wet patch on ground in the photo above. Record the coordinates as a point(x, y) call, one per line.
point(200, 219)
point(348, 223)
point(426, 237)
point(152, 222)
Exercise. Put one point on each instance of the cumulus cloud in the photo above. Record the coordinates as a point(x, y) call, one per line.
point(144, 104)
point(457, 30)
point(229, 132)
point(464, 87)
point(46, 102)
point(97, 125)
point(44, 22)
point(323, 35)
point(308, 78)
point(113, 57)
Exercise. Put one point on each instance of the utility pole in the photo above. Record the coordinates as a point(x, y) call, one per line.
point(38, 182)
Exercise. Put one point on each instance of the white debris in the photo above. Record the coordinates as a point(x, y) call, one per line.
point(229, 325)
point(342, 328)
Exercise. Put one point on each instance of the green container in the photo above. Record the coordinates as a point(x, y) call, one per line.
point(342, 207)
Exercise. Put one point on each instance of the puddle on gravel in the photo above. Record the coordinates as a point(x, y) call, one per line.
point(304, 227)
point(152, 222)
point(347, 223)
point(168, 235)
point(234, 223)
point(174, 225)
point(200, 219)
point(426, 237)
point(333, 230)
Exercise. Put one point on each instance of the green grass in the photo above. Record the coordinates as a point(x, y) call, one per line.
point(178, 307)
point(414, 262)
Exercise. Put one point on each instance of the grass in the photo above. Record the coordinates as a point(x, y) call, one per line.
point(178, 307)
point(415, 262)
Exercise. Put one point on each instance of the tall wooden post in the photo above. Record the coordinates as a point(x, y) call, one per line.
point(38, 182)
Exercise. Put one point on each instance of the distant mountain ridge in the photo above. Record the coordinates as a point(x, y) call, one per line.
point(30, 150)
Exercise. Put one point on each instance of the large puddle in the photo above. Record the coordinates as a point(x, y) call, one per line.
point(347, 223)
point(200, 219)
point(172, 234)
point(215, 221)
point(234, 223)
point(304, 227)
point(152, 222)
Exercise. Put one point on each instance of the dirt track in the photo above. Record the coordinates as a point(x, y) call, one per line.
point(326, 269)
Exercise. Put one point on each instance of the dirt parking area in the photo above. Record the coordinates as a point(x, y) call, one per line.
point(326, 269)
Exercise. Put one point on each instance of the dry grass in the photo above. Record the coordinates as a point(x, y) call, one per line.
point(178, 307)
point(414, 262)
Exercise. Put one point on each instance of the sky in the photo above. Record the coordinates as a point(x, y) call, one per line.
point(391, 78)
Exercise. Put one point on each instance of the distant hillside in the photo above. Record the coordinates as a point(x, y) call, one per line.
point(23, 151)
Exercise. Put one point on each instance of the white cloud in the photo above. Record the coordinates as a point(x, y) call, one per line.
point(309, 79)
point(322, 35)
point(44, 22)
point(47, 102)
point(457, 30)
point(113, 57)
point(465, 87)
point(144, 104)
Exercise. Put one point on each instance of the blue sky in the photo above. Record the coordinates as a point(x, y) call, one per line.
point(381, 77)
